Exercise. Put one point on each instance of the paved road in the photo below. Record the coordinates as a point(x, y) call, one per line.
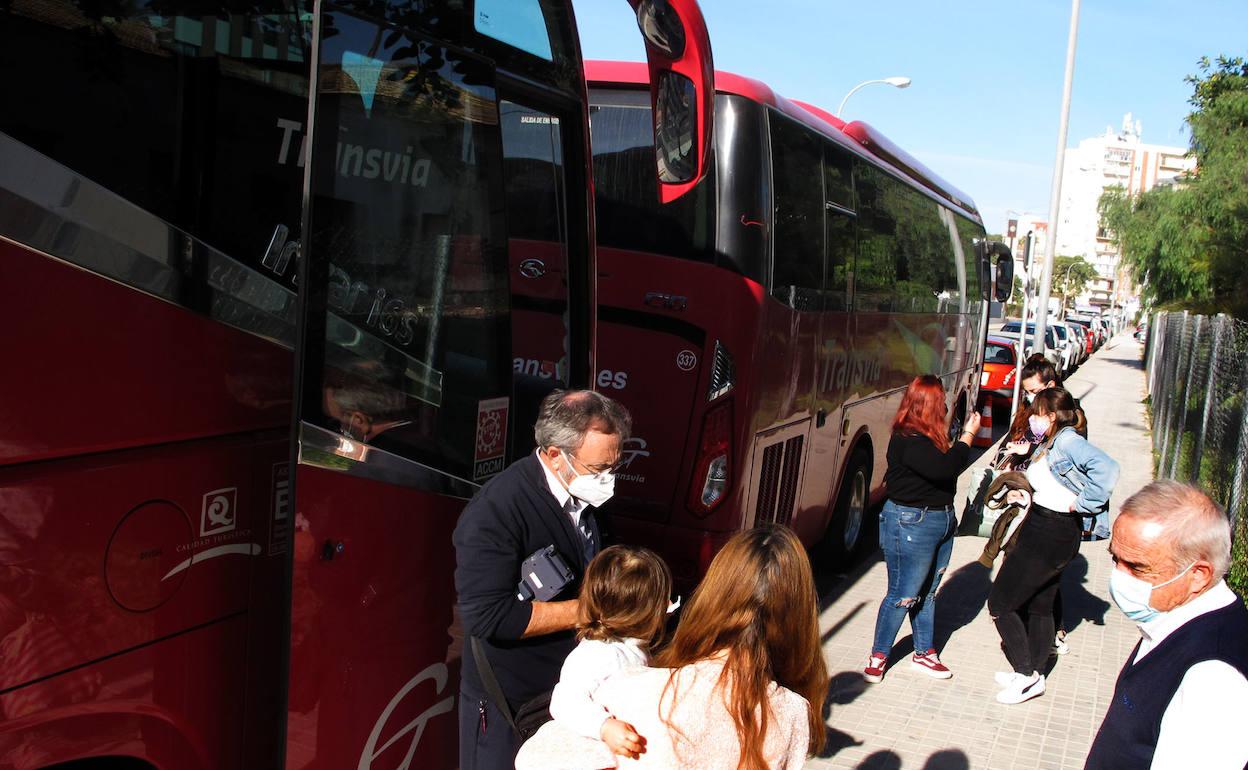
point(912, 722)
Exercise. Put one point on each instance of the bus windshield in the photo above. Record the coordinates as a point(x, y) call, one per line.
point(630, 215)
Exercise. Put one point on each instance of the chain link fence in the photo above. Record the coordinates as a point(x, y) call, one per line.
point(1197, 383)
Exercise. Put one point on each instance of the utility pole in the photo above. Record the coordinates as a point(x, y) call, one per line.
point(1055, 195)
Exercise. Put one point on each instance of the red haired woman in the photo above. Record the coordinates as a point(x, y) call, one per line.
point(917, 523)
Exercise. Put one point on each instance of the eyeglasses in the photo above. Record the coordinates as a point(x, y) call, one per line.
point(598, 470)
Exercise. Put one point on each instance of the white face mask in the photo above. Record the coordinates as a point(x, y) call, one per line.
point(593, 488)
point(1133, 595)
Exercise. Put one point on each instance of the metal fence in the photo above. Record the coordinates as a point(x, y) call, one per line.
point(1197, 383)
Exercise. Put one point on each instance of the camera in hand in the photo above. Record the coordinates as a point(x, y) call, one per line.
point(543, 575)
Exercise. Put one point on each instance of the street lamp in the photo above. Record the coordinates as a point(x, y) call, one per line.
point(1066, 287)
point(897, 82)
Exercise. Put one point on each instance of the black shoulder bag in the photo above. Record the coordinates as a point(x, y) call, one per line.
point(530, 716)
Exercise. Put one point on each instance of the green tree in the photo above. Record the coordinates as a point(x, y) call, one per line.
point(1071, 276)
point(1187, 243)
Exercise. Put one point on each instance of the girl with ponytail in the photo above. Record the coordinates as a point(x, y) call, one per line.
point(623, 605)
point(741, 685)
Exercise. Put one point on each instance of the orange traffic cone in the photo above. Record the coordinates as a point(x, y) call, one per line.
point(984, 437)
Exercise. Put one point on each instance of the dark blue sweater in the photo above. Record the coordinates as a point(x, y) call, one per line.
point(1128, 736)
point(509, 519)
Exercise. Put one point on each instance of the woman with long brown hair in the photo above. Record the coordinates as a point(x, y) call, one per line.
point(1072, 479)
point(741, 686)
point(917, 522)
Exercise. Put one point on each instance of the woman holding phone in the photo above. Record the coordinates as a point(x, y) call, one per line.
point(918, 522)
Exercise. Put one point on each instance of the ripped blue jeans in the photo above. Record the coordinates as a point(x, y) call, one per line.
point(917, 544)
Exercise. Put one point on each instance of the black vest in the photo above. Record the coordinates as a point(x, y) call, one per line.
point(1128, 736)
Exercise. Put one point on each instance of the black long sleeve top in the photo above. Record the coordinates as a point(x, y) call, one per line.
point(919, 474)
point(509, 519)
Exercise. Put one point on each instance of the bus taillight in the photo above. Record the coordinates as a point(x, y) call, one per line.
point(712, 472)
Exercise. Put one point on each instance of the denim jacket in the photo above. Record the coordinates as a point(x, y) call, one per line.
point(1083, 469)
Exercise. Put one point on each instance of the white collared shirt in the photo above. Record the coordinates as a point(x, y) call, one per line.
point(1203, 725)
point(571, 505)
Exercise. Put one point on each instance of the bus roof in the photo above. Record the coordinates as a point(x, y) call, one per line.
point(857, 136)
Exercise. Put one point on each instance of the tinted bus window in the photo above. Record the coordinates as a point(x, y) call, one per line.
point(408, 205)
point(875, 270)
point(743, 186)
point(626, 193)
point(533, 166)
point(926, 273)
point(842, 242)
point(968, 231)
point(838, 176)
point(841, 227)
point(907, 253)
point(194, 117)
point(797, 240)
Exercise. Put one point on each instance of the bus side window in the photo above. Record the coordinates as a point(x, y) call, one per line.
point(875, 270)
point(194, 118)
point(797, 266)
point(968, 231)
point(841, 228)
point(920, 265)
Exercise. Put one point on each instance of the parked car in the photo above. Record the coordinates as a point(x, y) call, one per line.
point(1086, 322)
point(1103, 329)
point(1010, 330)
point(1000, 361)
point(1082, 339)
point(1067, 347)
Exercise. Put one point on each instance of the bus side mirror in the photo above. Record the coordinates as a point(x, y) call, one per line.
point(1003, 284)
point(682, 91)
point(1005, 278)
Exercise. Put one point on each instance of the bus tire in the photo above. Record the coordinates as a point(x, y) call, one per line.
point(849, 528)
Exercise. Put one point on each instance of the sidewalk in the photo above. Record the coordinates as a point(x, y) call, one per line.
point(913, 722)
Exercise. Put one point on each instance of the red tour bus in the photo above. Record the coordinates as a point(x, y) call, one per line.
point(763, 327)
point(267, 271)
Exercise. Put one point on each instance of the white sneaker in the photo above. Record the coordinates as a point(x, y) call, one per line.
point(1059, 644)
point(1022, 688)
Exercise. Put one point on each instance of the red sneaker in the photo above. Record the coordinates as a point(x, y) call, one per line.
point(874, 671)
point(929, 664)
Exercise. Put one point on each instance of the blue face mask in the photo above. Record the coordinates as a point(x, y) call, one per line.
point(1133, 595)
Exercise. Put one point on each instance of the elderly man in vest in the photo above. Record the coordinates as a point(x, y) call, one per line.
point(1180, 697)
point(549, 498)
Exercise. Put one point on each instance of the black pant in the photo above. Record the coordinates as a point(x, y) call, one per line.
point(485, 744)
point(1027, 585)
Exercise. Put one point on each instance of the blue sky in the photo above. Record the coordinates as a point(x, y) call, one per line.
point(983, 109)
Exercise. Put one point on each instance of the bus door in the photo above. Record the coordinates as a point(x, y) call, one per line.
point(550, 336)
point(791, 318)
point(831, 440)
point(405, 382)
